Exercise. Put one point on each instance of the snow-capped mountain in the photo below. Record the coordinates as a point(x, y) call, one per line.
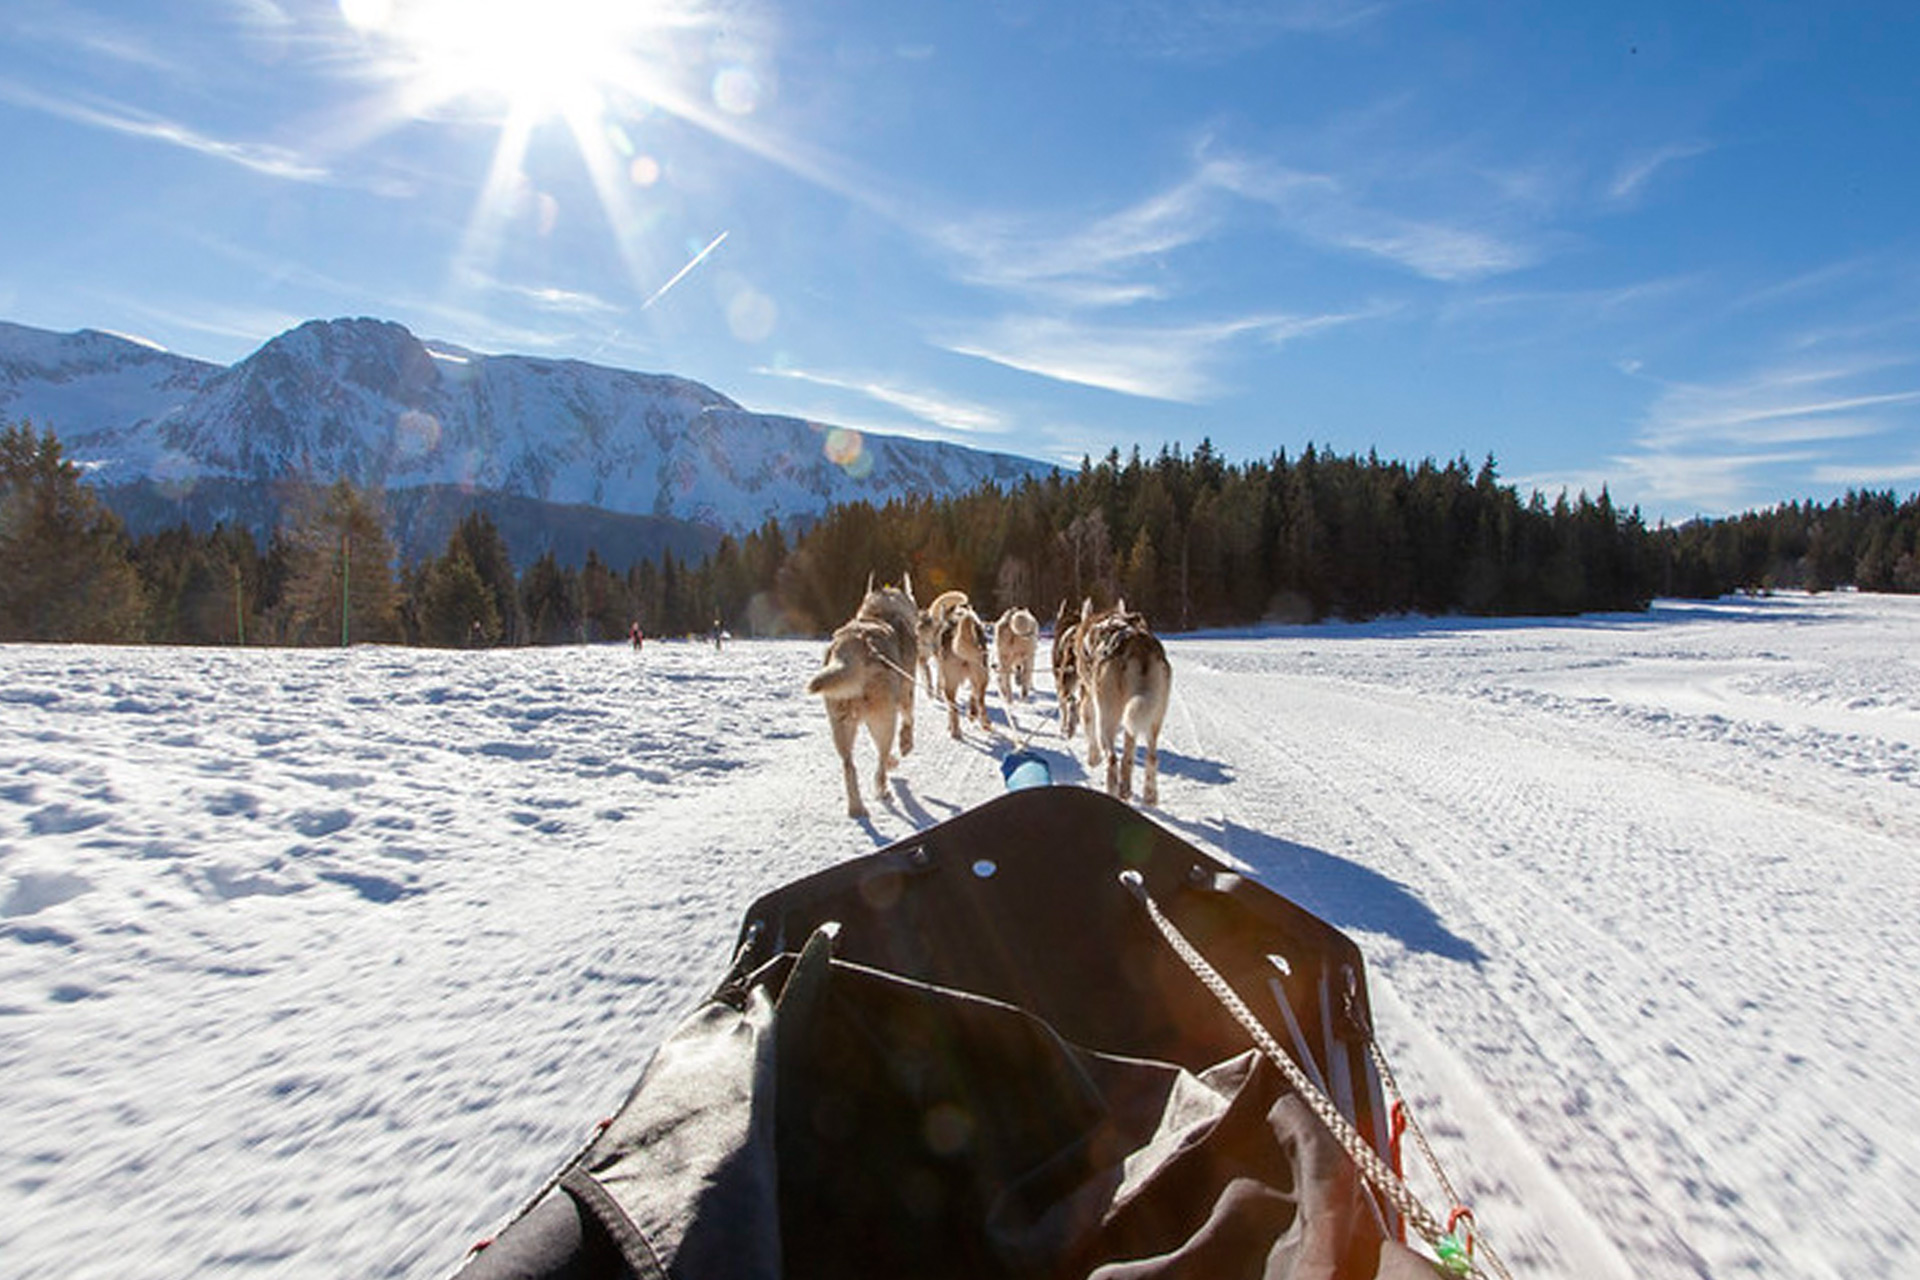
point(367, 401)
point(103, 394)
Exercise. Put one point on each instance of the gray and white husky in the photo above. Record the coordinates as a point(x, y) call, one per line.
point(866, 678)
point(1126, 682)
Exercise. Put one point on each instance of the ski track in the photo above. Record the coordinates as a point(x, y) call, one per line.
point(319, 962)
point(1656, 1076)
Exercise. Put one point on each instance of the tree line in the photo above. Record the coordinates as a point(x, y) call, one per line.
point(1190, 539)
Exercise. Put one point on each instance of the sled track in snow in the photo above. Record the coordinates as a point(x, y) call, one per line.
point(1594, 1043)
point(1512, 1214)
point(1519, 829)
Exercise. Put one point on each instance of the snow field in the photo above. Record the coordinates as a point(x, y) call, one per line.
point(318, 962)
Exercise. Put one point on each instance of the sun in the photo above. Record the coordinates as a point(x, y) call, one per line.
point(602, 68)
point(527, 59)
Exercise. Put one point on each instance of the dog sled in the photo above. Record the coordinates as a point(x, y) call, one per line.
point(1044, 1038)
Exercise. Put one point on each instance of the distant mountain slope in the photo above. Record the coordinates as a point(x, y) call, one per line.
point(103, 394)
point(367, 401)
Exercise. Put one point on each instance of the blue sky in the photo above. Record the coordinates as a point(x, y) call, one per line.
point(1669, 248)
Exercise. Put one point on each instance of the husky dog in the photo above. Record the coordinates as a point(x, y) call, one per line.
point(963, 657)
point(1091, 621)
point(866, 678)
point(1015, 637)
point(1128, 680)
point(931, 620)
point(1066, 669)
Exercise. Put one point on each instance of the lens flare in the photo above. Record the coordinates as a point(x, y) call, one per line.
point(736, 91)
point(847, 449)
point(415, 435)
point(176, 475)
point(752, 315)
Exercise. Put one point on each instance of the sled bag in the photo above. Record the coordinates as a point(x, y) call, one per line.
point(970, 1055)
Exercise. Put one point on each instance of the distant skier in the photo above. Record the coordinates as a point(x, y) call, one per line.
point(636, 635)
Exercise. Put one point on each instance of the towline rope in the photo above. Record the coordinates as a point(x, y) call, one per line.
point(1378, 1175)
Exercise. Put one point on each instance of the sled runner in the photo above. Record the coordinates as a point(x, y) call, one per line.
point(1044, 1038)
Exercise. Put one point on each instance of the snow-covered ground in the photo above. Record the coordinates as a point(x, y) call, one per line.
point(315, 963)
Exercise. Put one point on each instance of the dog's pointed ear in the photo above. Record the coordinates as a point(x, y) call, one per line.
point(1120, 605)
point(906, 577)
point(1086, 608)
point(869, 582)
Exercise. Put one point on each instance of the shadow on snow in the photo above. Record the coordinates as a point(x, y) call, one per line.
point(1344, 894)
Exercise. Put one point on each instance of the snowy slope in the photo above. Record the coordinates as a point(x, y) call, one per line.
point(367, 401)
point(103, 395)
point(314, 963)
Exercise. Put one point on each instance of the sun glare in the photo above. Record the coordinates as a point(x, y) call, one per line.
point(605, 69)
point(531, 58)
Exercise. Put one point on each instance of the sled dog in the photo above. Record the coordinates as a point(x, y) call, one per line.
point(1127, 680)
point(1016, 634)
point(866, 678)
point(931, 620)
point(1091, 620)
point(1066, 669)
point(963, 659)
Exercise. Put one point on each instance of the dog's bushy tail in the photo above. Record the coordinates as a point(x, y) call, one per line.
point(834, 676)
point(1151, 681)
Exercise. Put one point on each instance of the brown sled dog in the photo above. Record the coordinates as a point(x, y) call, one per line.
point(1015, 637)
point(932, 620)
point(1127, 682)
point(1066, 669)
point(963, 658)
point(866, 678)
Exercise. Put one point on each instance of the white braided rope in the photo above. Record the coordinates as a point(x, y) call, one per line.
point(1373, 1169)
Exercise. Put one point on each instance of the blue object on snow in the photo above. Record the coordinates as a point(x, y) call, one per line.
point(1024, 769)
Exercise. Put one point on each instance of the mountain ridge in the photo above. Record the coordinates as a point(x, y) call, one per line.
point(366, 400)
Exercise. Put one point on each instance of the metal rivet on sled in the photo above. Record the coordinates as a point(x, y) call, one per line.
point(918, 857)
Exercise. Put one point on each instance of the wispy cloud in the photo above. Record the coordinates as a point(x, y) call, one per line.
point(1337, 212)
point(1434, 250)
point(1677, 486)
point(273, 161)
point(1635, 173)
point(1165, 362)
point(1129, 258)
point(1515, 318)
point(1715, 446)
point(1209, 30)
point(559, 301)
point(1774, 407)
point(231, 332)
point(1083, 266)
point(948, 412)
point(69, 28)
point(1870, 475)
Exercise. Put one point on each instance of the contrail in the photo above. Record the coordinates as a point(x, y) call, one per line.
point(681, 274)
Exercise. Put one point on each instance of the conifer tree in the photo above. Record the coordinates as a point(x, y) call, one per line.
point(340, 588)
point(452, 606)
point(550, 595)
point(479, 539)
point(606, 606)
point(65, 574)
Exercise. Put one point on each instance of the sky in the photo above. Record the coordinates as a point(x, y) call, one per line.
point(1666, 249)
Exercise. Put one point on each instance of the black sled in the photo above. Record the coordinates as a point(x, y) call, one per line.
point(975, 1054)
